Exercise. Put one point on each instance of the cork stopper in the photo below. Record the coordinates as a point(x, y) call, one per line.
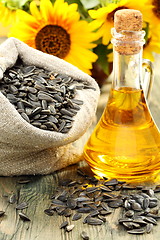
point(128, 31)
point(128, 19)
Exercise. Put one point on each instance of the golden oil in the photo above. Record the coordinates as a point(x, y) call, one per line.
point(126, 142)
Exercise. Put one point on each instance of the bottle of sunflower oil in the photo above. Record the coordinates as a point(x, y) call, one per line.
point(125, 144)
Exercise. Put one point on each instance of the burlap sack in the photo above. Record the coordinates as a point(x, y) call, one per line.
point(25, 149)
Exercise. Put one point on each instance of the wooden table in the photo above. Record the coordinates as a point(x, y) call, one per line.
point(37, 194)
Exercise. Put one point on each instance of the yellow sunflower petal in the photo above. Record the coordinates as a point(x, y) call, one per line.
point(102, 12)
point(34, 10)
point(7, 16)
point(27, 18)
point(95, 24)
point(45, 8)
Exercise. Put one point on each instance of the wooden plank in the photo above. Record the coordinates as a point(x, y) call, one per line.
point(37, 194)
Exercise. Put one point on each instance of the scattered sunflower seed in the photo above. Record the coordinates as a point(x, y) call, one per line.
point(49, 212)
point(21, 206)
point(69, 227)
point(76, 216)
point(2, 213)
point(84, 235)
point(137, 231)
point(91, 196)
point(149, 227)
point(24, 217)
point(12, 199)
point(94, 221)
point(64, 224)
point(23, 181)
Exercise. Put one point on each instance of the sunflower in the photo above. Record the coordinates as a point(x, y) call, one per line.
point(154, 15)
point(57, 29)
point(7, 15)
point(152, 45)
point(104, 17)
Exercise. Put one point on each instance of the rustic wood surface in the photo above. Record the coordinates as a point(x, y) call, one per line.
point(37, 194)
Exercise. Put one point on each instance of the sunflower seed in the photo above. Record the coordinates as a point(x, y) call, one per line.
point(21, 206)
point(128, 187)
point(94, 221)
point(105, 188)
point(136, 206)
point(146, 203)
point(13, 89)
point(153, 216)
point(157, 189)
point(28, 69)
point(94, 213)
point(58, 202)
point(139, 220)
point(104, 212)
point(111, 182)
point(152, 204)
point(84, 210)
point(32, 90)
point(12, 199)
point(105, 206)
point(137, 231)
point(23, 181)
point(2, 213)
point(67, 212)
point(69, 228)
point(91, 189)
point(64, 224)
point(43, 96)
point(84, 235)
point(24, 217)
point(77, 101)
point(71, 203)
point(122, 220)
point(49, 212)
point(37, 124)
point(35, 111)
point(150, 220)
point(76, 216)
point(52, 119)
point(12, 98)
point(26, 103)
point(116, 203)
point(149, 227)
point(131, 225)
point(25, 117)
point(129, 213)
point(102, 218)
point(20, 105)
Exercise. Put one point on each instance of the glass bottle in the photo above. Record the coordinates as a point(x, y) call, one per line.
point(125, 144)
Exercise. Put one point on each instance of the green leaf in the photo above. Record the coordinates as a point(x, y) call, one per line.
point(102, 51)
point(90, 3)
point(15, 4)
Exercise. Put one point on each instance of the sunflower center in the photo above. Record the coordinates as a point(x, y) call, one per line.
point(54, 40)
point(110, 16)
point(156, 9)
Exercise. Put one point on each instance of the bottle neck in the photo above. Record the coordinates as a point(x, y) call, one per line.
point(127, 70)
point(127, 62)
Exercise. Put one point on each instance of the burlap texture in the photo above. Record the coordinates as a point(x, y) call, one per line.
point(25, 149)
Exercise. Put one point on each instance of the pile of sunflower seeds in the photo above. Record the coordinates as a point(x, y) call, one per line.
point(94, 199)
point(91, 200)
point(44, 99)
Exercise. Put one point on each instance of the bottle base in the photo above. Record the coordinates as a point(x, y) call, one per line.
point(146, 178)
